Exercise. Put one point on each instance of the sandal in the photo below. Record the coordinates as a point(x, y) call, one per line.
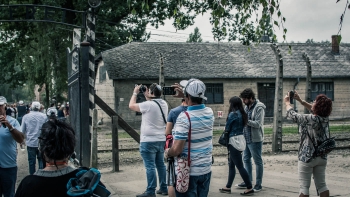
point(226, 191)
point(251, 192)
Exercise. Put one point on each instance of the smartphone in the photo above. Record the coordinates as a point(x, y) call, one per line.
point(168, 90)
point(291, 97)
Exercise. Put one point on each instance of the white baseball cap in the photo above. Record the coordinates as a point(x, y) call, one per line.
point(20, 102)
point(36, 105)
point(2, 100)
point(194, 87)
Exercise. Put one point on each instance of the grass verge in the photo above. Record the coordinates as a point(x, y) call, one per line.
point(285, 130)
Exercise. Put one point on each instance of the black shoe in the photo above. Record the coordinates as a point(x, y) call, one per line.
point(164, 193)
point(226, 191)
point(241, 185)
point(145, 194)
point(250, 193)
point(257, 188)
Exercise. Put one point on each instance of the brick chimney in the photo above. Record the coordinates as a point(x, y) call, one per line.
point(335, 45)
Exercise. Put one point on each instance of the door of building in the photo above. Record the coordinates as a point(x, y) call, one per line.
point(266, 94)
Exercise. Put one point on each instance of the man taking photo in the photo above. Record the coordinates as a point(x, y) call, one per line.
point(10, 133)
point(202, 122)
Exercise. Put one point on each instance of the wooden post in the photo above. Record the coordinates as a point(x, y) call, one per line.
point(161, 73)
point(115, 144)
point(94, 163)
point(308, 82)
point(277, 115)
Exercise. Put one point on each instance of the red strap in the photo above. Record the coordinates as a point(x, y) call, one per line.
point(189, 140)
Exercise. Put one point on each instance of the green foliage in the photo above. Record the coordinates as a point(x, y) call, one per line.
point(311, 41)
point(195, 36)
point(35, 53)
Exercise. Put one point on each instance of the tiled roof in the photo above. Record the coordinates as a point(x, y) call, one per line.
point(222, 60)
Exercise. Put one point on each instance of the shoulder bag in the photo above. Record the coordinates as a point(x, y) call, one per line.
point(225, 136)
point(326, 146)
point(183, 166)
point(161, 111)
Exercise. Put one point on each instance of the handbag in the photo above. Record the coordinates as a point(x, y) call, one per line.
point(224, 137)
point(326, 146)
point(223, 140)
point(183, 166)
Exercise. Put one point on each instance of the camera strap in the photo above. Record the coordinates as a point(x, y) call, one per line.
point(161, 111)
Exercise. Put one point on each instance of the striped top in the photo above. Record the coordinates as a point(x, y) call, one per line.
point(202, 121)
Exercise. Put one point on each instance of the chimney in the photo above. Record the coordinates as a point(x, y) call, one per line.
point(335, 45)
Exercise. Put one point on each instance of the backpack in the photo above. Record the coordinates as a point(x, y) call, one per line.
point(325, 147)
point(87, 183)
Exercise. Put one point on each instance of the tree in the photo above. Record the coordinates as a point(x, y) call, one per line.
point(195, 36)
point(310, 41)
point(35, 52)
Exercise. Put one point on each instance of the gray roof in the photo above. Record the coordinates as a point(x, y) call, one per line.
point(223, 60)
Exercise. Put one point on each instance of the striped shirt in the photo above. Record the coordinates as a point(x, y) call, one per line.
point(31, 127)
point(202, 121)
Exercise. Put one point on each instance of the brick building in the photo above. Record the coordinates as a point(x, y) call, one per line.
point(226, 69)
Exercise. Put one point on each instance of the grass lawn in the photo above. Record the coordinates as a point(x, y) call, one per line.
point(286, 130)
point(294, 129)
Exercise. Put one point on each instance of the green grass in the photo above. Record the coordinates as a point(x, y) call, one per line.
point(294, 129)
point(286, 130)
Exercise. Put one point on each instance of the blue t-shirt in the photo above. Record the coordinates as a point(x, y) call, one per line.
point(174, 113)
point(8, 146)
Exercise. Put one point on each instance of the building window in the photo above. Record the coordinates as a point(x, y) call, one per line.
point(103, 73)
point(326, 88)
point(214, 93)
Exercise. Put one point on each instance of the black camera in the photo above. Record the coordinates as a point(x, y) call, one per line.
point(291, 97)
point(142, 88)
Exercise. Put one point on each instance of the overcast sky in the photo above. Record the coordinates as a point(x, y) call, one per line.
point(305, 19)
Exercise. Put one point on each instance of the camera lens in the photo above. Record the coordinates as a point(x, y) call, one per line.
point(142, 89)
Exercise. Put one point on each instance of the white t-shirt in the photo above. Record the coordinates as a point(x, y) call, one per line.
point(152, 124)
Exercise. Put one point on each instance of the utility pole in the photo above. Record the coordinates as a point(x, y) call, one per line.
point(277, 114)
point(161, 73)
point(307, 81)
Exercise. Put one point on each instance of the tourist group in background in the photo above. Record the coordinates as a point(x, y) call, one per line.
point(22, 124)
point(176, 146)
point(189, 133)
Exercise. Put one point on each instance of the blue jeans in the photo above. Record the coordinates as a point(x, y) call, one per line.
point(19, 119)
point(236, 161)
point(33, 152)
point(8, 178)
point(152, 154)
point(254, 150)
point(198, 187)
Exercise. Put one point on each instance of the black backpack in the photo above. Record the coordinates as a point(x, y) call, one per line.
point(325, 147)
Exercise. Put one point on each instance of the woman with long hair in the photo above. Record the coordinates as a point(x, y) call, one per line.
point(236, 120)
point(313, 129)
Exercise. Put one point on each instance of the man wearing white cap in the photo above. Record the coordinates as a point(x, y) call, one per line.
point(10, 133)
point(201, 125)
point(31, 128)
